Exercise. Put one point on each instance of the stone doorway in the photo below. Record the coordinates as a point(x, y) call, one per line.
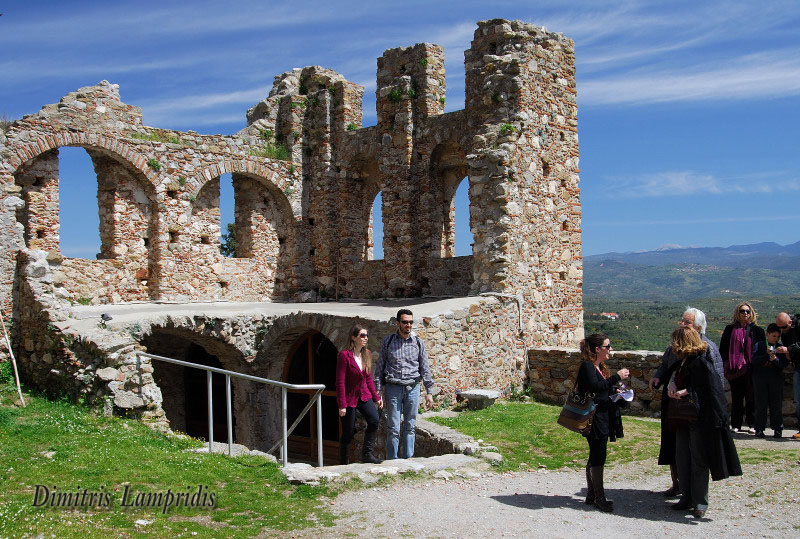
point(185, 389)
point(312, 360)
point(195, 386)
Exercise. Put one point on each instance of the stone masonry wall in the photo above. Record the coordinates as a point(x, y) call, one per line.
point(305, 175)
point(552, 373)
point(303, 223)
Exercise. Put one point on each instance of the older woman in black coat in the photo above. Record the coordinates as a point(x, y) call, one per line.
point(703, 441)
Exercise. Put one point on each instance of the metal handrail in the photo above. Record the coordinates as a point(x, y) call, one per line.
point(283, 442)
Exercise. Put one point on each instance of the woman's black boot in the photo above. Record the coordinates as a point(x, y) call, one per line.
point(599, 492)
point(589, 488)
point(344, 453)
point(369, 446)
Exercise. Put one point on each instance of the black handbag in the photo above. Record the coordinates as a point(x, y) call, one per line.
point(681, 412)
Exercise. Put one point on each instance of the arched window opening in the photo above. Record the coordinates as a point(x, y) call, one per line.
point(227, 226)
point(461, 226)
point(375, 231)
point(78, 214)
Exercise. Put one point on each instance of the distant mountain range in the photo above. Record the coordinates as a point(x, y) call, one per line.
point(680, 273)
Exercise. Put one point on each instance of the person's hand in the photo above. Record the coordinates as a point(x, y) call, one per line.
point(623, 373)
point(672, 389)
point(342, 411)
point(653, 383)
point(428, 401)
point(380, 404)
point(781, 350)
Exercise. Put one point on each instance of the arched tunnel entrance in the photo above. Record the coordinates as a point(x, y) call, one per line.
point(185, 389)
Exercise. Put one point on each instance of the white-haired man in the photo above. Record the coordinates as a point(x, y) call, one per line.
point(694, 318)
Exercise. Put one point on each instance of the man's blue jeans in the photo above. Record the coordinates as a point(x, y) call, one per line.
point(400, 399)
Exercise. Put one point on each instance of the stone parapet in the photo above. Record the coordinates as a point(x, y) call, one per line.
point(552, 373)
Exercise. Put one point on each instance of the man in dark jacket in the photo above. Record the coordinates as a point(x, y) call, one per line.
point(791, 344)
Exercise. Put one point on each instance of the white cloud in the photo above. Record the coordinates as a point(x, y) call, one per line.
point(688, 183)
point(763, 75)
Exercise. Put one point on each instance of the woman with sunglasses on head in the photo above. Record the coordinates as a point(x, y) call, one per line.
point(594, 377)
point(355, 390)
point(741, 342)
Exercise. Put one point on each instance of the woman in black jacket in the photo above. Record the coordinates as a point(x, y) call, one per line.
point(594, 377)
point(703, 442)
point(741, 343)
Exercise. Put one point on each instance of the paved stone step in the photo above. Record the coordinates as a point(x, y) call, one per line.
point(441, 466)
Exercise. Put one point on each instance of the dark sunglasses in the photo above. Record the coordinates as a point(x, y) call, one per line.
point(363, 335)
point(744, 311)
point(405, 321)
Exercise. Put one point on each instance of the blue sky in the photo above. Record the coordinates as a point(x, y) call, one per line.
point(688, 111)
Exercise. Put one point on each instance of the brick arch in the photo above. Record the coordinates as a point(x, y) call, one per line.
point(125, 152)
point(259, 170)
point(285, 330)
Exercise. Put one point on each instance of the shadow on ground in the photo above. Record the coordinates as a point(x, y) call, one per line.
point(628, 503)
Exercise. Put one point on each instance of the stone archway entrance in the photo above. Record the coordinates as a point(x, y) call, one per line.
point(195, 385)
point(312, 360)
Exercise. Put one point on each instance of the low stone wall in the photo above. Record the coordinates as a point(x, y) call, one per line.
point(552, 372)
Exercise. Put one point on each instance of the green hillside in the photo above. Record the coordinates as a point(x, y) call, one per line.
point(683, 282)
point(646, 324)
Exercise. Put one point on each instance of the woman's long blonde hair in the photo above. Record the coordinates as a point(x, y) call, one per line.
point(366, 355)
point(686, 342)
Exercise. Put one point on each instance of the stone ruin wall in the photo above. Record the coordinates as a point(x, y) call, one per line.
point(158, 198)
point(478, 346)
point(304, 225)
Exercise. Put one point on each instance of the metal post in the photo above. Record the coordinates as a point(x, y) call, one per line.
point(230, 414)
point(210, 415)
point(319, 428)
point(285, 445)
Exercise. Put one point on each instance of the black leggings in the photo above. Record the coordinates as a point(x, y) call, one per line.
point(598, 447)
point(370, 413)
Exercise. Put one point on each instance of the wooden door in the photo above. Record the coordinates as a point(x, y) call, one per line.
point(312, 360)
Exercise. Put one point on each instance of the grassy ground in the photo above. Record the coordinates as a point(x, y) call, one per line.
point(528, 436)
point(61, 445)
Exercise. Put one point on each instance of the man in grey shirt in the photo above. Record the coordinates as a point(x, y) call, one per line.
point(401, 366)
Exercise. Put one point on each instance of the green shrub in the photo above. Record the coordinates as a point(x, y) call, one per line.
point(395, 95)
point(352, 127)
point(423, 62)
point(442, 100)
point(507, 129)
point(154, 164)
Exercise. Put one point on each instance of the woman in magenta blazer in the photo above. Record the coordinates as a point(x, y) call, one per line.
point(356, 391)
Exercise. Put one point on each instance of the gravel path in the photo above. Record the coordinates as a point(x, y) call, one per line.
point(763, 502)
